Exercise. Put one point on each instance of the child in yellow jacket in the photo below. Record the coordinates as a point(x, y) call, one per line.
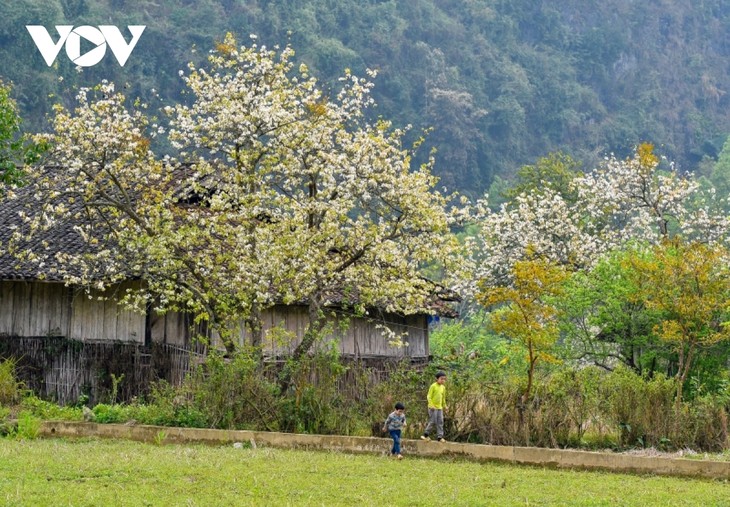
point(436, 405)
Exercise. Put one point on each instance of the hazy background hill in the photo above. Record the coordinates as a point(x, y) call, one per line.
point(502, 82)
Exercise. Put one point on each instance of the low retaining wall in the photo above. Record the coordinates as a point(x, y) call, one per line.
point(557, 458)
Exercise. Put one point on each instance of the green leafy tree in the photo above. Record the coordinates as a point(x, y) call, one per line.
point(15, 148)
point(603, 322)
point(689, 284)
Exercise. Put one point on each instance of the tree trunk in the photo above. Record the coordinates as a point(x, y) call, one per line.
point(218, 324)
point(255, 327)
point(228, 342)
point(530, 375)
point(317, 322)
point(683, 371)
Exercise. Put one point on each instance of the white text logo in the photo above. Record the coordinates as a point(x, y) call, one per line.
point(101, 37)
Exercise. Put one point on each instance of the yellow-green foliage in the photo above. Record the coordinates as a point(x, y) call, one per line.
point(529, 316)
point(689, 284)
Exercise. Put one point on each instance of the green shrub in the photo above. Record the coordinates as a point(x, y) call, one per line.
point(229, 393)
point(318, 400)
point(565, 406)
point(641, 410)
point(171, 406)
point(104, 413)
point(47, 410)
point(28, 426)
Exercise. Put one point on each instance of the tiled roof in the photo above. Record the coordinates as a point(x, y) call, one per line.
point(61, 238)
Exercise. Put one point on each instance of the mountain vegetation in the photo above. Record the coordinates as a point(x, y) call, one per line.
point(501, 83)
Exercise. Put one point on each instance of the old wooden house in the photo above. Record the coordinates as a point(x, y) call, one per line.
point(68, 342)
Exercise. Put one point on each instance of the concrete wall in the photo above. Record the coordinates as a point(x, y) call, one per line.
point(556, 458)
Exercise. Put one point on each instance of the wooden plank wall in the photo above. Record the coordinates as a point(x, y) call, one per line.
point(364, 338)
point(284, 327)
point(52, 309)
point(174, 328)
point(34, 309)
point(98, 316)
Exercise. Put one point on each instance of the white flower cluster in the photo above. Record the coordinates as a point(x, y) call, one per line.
point(620, 201)
point(277, 193)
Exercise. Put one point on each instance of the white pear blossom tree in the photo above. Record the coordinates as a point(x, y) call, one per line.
point(277, 192)
point(346, 215)
point(125, 212)
point(620, 201)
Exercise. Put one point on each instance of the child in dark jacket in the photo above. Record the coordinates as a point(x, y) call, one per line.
point(393, 425)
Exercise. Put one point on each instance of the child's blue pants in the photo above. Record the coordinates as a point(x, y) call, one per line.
point(395, 435)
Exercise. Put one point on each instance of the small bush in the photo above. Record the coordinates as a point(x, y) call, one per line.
point(171, 406)
point(317, 401)
point(50, 411)
point(29, 426)
point(104, 413)
point(232, 393)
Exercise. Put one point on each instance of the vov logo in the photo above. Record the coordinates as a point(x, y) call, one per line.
point(101, 37)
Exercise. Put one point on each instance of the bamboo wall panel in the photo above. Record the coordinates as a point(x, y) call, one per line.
point(62, 370)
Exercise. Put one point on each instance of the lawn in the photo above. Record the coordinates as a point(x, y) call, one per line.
point(107, 472)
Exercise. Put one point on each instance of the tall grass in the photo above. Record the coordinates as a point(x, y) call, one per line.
point(10, 387)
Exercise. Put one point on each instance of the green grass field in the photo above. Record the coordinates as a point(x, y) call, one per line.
point(105, 472)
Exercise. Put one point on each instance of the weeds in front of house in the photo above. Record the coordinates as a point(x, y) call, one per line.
point(48, 410)
point(10, 387)
point(28, 426)
point(586, 408)
point(160, 437)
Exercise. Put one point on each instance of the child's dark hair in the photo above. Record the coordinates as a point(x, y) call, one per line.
point(440, 374)
point(400, 406)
